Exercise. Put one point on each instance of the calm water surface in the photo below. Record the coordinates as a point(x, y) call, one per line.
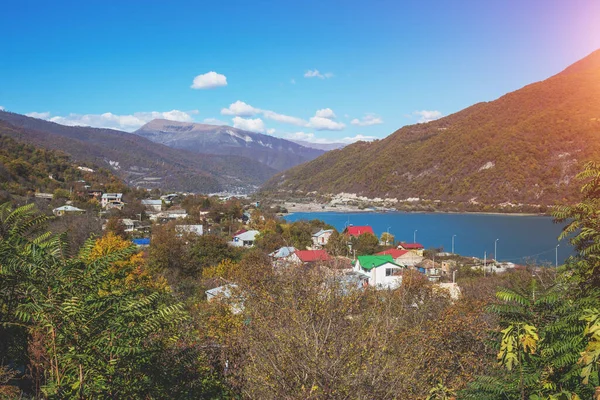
point(521, 239)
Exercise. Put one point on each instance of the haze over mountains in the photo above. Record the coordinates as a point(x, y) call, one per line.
point(140, 162)
point(279, 154)
point(524, 147)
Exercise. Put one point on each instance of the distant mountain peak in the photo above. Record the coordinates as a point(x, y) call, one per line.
point(272, 151)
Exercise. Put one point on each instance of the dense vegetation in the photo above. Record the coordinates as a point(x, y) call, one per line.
point(524, 147)
point(26, 168)
point(109, 321)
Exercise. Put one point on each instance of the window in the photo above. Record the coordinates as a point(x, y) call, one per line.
point(389, 271)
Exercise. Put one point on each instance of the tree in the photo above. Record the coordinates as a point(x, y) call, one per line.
point(387, 238)
point(365, 244)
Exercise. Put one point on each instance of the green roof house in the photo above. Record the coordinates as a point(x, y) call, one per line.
point(383, 272)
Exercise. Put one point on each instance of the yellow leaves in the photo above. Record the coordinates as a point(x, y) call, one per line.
point(134, 268)
point(226, 269)
point(517, 338)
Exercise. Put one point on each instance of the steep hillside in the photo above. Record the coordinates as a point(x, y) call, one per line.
point(140, 162)
point(26, 168)
point(279, 154)
point(524, 147)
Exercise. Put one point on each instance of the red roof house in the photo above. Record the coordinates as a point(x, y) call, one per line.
point(358, 230)
point(411, 246)
point(307, 256)
point(395, 253)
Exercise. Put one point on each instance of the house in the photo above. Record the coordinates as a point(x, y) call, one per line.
point(169, 215)
point(152, 205)
point(129, 224)
point(95, 193)
point(245, 239)
point(430, 269)
point(46, 196)
point(383, 272)
point(168, 198)
point(402, 257)
point(321, 238)
point(198, 230)
point(112, 200)
point(309, 256)
point(283, 252)
point(60, 211)
point(356, 231)
point(227, 294)
point(416, 248)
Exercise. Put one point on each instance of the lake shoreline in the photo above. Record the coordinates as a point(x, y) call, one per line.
point(294, 208)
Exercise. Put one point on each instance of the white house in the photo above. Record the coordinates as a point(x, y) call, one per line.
point(112, 200)
point(169, 214)
point(67, 210)
point(321, 238)
point(152, 205)
point(244, 239)
point(383, 272)
point(195, 229)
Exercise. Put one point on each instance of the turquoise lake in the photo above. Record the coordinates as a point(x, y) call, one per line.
point(521, 239)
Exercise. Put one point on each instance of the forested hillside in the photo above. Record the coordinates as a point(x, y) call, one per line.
point(524, 147)
point(26, 168)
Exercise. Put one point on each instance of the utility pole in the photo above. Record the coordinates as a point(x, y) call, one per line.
point(415, 236)
point(388, 235)
point(453, 236)
point(556, 264)
point(495, 250)
point(484, 261)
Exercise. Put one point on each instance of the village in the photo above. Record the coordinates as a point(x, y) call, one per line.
point(381, 264)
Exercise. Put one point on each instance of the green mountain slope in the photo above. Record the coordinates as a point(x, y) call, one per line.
point(524, 147)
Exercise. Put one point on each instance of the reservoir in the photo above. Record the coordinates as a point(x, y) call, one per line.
point(521, 239)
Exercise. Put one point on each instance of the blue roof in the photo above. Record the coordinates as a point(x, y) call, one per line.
point(141, 242)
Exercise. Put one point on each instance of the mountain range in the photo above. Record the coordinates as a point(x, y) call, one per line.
point(276, 153)
point(524, 147)
point(138, 161)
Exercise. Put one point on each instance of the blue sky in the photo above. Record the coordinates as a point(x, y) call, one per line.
point(318, 70)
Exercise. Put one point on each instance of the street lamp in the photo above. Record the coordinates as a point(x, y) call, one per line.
point(496, 250)
point(453, 236)
point(557, 255)
point(415, 236)
point(388, 235)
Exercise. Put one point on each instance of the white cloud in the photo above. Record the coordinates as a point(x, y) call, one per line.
point(427, 115)
point(249, 124)
point(39, 115)
point(286, 119)
point(325, 124)
point(323, 119)
point(314, 73)
point(129, 122)
point(240, 109)
point(367, 120)
point(1, 108)
point(325, 113)
point(214, 121)
point(270, 131)
point(293, 81)
point(209, 80)
point(310, 137)
point(358, 138)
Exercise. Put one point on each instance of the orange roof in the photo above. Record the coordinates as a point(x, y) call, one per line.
point(395, 253)
point(312, 255)
point(358, 230)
